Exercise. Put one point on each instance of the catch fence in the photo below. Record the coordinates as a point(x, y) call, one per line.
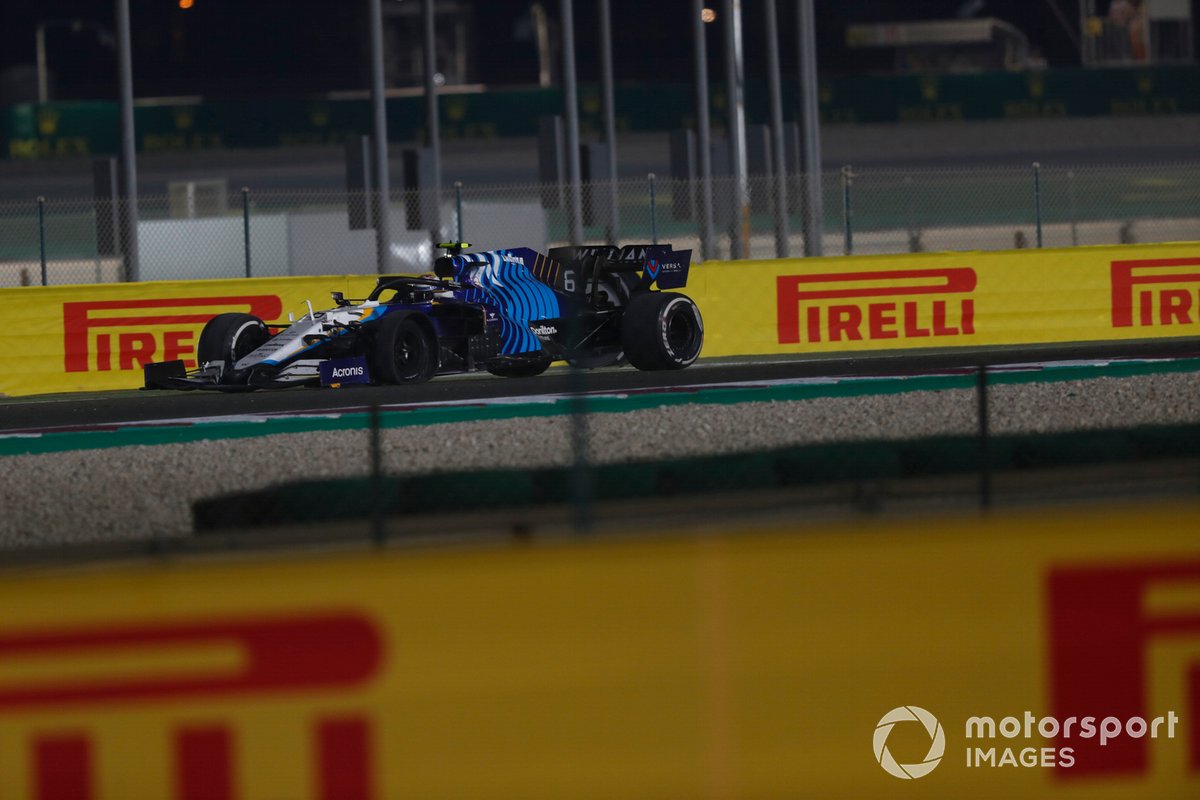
point(202, 230)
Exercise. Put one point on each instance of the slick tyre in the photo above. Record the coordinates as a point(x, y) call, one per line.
point(405, 350)
point(521, 369)
point(230, 338)
point(661, 330)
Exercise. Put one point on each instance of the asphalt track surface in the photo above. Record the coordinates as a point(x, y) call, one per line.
point(77, 412)
point(68, 412)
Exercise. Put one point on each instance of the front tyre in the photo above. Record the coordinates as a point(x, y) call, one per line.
point(662, 330)
point(405, 350)
point(229, 338)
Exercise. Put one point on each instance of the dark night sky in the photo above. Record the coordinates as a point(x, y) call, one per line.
point(276, 48)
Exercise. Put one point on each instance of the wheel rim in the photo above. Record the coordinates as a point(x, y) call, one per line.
point(410, 354)
point(681, 332)
point(245, 341)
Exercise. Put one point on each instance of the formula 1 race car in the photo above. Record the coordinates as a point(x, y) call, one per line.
point(510, 312)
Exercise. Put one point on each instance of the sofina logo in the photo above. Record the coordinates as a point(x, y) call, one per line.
point(937, 742)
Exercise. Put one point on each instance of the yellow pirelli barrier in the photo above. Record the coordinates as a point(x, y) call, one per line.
point(895, 302)
point(82, 338)
point(1043, 655)
point(98, 337)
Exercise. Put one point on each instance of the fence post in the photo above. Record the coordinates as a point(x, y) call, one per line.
point(41, 201)
point(847, 211)
point(1037, 199)
point(246, 225)
point(653, 212)
point(1074, 210)
point(458, 210)
point(378, 528)
point(985, 456)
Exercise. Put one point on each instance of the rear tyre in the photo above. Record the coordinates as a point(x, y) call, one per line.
point(662, 330)
point(405, 350)
point(521, 369)
point(230, 338)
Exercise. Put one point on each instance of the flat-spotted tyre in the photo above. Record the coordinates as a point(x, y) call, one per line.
point(661, 330)
point(230, 338)
point(405, 349)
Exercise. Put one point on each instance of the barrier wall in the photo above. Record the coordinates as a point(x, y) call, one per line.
point(761, 662)
point(895, 302)
point(95, 337)
point(98, 336)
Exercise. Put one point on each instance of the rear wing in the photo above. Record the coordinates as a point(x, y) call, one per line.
point(658, 263)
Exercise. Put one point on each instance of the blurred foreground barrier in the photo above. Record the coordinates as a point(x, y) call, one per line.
point(81, 338)
point(1037, 654)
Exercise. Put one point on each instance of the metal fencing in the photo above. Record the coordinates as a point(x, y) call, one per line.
point(196, 233)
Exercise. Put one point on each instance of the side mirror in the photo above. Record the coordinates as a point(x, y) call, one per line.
point(339, 298)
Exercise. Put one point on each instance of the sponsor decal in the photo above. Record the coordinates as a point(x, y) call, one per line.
point(245, 658)
point(338, 371)
point(1104, 621)
point(655, 267)
point(1156, 292)
point(877, 305)
point(544, 330)
point(105, 335)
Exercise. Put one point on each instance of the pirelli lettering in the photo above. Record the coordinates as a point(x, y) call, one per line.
point(177, 667)
point(1156, 292)
point(105, 335)
point(876, 305)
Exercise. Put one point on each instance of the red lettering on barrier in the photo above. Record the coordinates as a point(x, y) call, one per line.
point(177, 345)
point(79, 322)
point(279, 654)
point(882, 321)
point(204, 768)
point(343, 759)
point(133, 347)
point(1152, 285)
point(1099, 632)
point(843, 322)
point(310, 652)
point(62, 767)
point(104, 352)
point(1175, 305)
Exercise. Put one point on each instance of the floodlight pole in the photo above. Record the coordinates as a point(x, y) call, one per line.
point(739, 238)
point(42, 78)
point(571, 107)
point(610, 115)
point(129, 220)
point(778, 156)
point(703, 130)
point(383, 237)
point(432, 129)
point(810, 130)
